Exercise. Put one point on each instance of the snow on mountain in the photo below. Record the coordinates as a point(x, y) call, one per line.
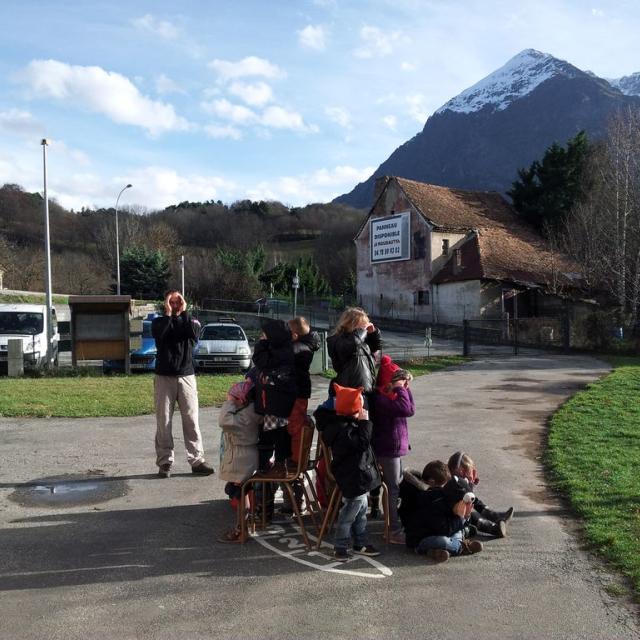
point(629, 85)
point(520, 76)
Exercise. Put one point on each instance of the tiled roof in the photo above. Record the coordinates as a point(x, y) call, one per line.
point(516, 255)
point(458, 209)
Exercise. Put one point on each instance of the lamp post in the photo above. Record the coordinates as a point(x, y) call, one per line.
point(47, 248)
point(118, 240)
point(296, 285)
point(182, 273)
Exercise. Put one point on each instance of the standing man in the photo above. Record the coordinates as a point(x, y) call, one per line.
point(176, 333)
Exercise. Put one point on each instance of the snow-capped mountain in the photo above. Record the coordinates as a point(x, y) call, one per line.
point(629, 85)
point(519, 77)
point(480, 138)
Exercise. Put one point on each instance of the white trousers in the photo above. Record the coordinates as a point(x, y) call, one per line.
point(181, 389)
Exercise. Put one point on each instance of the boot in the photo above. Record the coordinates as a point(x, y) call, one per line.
point(496, 516)
point(469, 547)
point(470, 531)
point(497, 529)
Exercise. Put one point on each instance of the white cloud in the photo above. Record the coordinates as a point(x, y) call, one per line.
point(249, 66)
point(164, 84)
point(101, 91)
point(417, 107)
point(236, 113)
point(19, 121)
point(312, 37)
point(274, 117)
point(319, 186)
point(598, 13)
point(255, 94)
point(391, 122)
point(223, 131)
point(161, 28)
point(376, 43)
point(407, 66)
point(340, 115)
point(281, 118)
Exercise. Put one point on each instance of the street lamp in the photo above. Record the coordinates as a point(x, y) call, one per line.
point(118, 240)
point(47, 248)
point(296, 285)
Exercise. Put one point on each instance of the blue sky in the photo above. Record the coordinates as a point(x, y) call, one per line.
point(292, 100)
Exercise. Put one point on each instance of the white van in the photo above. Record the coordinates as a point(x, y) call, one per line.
point(28, 322)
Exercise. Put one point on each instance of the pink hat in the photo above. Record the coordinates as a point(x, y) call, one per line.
point(240, 390)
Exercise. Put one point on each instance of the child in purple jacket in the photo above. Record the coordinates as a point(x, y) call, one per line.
point(392, 405)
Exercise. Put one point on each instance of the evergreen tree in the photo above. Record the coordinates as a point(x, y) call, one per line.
point(143, 273)
point(546, 191)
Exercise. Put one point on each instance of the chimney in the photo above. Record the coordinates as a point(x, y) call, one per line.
point(380, 184)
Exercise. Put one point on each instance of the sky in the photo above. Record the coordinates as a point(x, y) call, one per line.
point(289, 100)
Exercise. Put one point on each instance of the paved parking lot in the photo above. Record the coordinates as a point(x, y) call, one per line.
point(145, 563)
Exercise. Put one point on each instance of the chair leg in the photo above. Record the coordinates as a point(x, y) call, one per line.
point(330, 515)
point(298, 515)
point(242, 512)
point(385, 507)
point(313, 505)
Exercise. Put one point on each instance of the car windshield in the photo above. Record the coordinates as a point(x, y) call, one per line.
point(18, 322)
point(222, 333)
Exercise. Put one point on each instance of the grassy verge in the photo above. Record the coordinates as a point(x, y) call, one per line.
point(94, 396)
point(420, 366)
point(31, 298)
point(594, 457)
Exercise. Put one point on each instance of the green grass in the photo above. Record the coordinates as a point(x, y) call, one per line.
point(594, 458)
point(420, 366)
point(27, 298)
point(95, 396)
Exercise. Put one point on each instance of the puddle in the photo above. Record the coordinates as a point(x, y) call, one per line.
point(69, 490)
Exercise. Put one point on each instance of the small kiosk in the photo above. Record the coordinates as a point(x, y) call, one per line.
point(100, 328)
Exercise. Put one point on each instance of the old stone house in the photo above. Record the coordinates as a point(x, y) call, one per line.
point(444, 255)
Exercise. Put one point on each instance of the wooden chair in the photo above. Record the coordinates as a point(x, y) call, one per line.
point(335, 498)
point(287, 478)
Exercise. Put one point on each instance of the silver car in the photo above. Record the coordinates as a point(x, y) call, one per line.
point(222, 345)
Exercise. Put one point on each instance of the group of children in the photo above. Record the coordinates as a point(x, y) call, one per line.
point(363, 421)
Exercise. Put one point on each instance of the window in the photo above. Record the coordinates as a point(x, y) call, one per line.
point(445, 247)
point(421, 298)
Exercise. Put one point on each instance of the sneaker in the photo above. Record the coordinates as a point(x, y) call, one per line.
point(341, 555)
point(202, 469)
point(438, 555)
point(164, 471)
point(366, 550)
point(397, 537)
point(469, 547)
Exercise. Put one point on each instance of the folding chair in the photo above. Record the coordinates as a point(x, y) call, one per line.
point(333, 505)
point(286, 479)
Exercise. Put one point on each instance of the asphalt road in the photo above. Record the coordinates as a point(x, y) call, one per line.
point(145, 564)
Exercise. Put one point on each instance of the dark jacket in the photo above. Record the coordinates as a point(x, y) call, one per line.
point(303, 349)
point(275, 377)
point(353, 463)
point(426, 511)
point(390, 430)
point(175, 338)
point(352, 358)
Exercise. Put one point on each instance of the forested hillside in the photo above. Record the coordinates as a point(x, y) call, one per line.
point(231, 251)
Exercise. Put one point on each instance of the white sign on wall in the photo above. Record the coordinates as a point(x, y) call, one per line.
point(389, 237)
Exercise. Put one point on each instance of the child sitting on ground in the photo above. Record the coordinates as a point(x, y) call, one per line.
point(486, 520)
point(240, 425)
point(434, 508)
point(392, 405)
point(347, 432)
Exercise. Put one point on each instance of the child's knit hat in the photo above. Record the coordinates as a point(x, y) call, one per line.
point(240, 390)
point(348, 401)
point(385, 374)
